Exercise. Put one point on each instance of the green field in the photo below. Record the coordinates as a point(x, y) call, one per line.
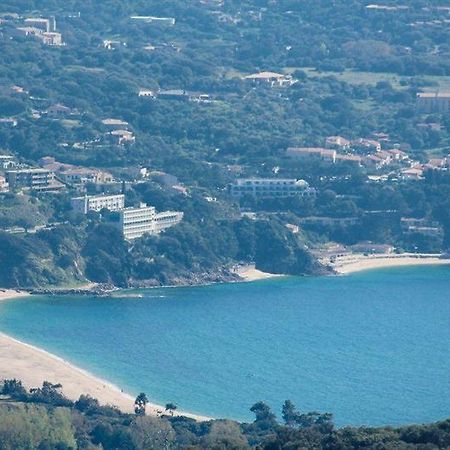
point(372, 78)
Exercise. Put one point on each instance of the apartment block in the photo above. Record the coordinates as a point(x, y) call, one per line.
point(167, 219)
point(97, 203)
point(37, 179)
point(271, 188)
point(135, 222)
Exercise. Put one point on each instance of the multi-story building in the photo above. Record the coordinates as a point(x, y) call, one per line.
point(271, 188)
point(46, 25)
point(37, 179)
point(323, 154)
point(97, 203)
point(167, 219)
point(83, 175)
point(135, 222)
point(433, 102)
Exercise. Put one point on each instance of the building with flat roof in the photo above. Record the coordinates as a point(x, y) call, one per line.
point(135, 222)
point(46, 25)
point(323, 154)
point(271, 188)
point(115, 124)
point(149, 19)
point(433, 102)
point(167, 219)
point(97, 203)
point(34, 178)
point(83, 175)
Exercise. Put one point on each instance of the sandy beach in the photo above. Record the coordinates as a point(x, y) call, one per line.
point(33, 366)
point(250, 273)
point(359, 262)
point(9, 294)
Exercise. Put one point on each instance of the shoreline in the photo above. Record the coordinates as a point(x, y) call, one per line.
point(33, 365)
point(250, 273)
point(10, 294)
point(358, 262)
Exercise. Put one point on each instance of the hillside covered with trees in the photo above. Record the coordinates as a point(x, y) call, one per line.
point(357, 69)
point(44, 419)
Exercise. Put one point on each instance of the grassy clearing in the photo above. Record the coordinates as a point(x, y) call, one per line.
point(372, 78)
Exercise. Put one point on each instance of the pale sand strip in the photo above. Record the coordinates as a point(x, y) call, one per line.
point(33, 366)
point(357, 263)
point(8, 294)
point(250, 273)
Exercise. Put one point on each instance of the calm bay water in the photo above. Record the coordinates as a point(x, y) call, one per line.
point(372, 347)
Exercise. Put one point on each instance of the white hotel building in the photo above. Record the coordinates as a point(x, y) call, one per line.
point(135, 222)
point(271, 188)
point(97, 203)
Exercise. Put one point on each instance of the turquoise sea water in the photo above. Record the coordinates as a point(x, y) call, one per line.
point(373, 348)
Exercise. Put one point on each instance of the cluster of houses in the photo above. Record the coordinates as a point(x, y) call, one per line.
point(53, 176)
point(42, 29)
point(368, 153)
point(417, 170)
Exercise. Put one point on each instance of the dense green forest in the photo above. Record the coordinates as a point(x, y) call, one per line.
point(358, 70)
point(44, 419)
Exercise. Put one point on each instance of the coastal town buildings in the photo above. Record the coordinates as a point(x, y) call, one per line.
point(71, 174)
point(337, 142)
point(42, 29)
point(271, 188)
point(366, 145)
point(167, 219)
point(314, 153)
point(424, 227)
point(134, 222)
point(33, 178)
point(97, 203)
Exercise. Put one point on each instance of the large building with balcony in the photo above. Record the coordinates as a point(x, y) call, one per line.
point(135, 222)
point(97, 203)
point(35, 178)
point(167, 219)
point(271, 188)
